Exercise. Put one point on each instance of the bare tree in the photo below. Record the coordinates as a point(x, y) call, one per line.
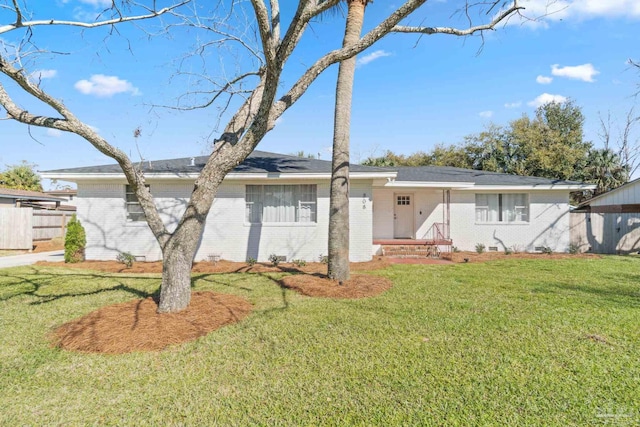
point(252, 119)
point(626, 140)
point(629, 142)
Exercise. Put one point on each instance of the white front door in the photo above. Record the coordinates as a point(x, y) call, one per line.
point(403, 216)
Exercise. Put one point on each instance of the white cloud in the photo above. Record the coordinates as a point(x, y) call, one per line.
point(43, 74)
point(544, 80)
point(105, 86)
point(546, 98)
point(486, 114)
point(97, 3)
point(54, 133)
point(513, 104)
point(584, 72)
point(539, 13)
point(364, 60)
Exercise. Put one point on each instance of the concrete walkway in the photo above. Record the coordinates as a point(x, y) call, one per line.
point(28, 259)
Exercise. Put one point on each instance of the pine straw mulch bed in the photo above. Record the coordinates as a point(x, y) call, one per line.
point(218, 267)
point(318, 285)
point(136, 326)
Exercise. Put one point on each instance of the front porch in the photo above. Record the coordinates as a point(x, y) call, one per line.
point(412, 222)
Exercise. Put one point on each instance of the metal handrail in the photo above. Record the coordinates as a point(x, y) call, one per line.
point(437, 231)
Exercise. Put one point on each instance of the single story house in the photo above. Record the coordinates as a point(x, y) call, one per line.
point(67, 194)
point(279, 204)
point(610, 222)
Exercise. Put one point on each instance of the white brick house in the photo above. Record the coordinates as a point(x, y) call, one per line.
point(277, 204)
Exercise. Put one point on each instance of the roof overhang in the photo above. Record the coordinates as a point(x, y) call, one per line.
point(75, 177)
point(540, 187)
point(32, 198)
point(427, 184)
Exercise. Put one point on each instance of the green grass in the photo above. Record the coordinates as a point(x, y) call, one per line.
point(517, 342)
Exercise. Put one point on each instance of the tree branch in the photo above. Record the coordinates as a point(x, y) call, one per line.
point(460, 32)
point(70, 123)
point(262, 17)
point(298, 89)
point(20, 24)
point(275, 20)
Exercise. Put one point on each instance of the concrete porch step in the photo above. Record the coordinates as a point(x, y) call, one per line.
point(410, 251)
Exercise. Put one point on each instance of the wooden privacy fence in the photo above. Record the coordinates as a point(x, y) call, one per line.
point(49, 224)
point(606, 232)
point(16, 231)
point(20, 227)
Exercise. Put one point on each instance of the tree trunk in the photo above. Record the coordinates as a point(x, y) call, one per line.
point(175, 292)
point(338, 268)
point(177, 261)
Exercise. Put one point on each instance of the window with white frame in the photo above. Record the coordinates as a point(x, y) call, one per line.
point(281, 203)
point(507, 207)
point(134, 210)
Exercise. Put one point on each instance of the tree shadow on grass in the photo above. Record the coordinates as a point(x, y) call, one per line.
point(210, 278)
point(619, 295)
point(49, 280)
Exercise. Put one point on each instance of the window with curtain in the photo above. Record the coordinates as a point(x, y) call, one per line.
point(280, 203)
point(502, 207)
point(134, 210)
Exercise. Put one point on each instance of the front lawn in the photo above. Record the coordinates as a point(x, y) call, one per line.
point(515, 342)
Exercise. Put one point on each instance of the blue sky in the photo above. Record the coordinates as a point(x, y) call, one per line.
point(410, 93)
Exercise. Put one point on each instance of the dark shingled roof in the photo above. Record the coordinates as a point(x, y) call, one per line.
point(264, 162)
point(257, 162)
point(9, 193)
point(450, 174)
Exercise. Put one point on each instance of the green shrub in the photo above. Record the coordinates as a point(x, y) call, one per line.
point(126, 258)
point(251, 261)
point(323, 259)
point(480, 247)
point(75, 241)
point(574, 249)
point(455, 249)
point(508, 251)
point(299, 262)
point(546, 250)
point(276, 259)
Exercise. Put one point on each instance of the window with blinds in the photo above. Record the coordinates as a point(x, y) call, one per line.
point(502, 207)
point(281, 203)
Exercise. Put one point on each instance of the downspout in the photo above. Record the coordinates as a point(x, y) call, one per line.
point(448, 214)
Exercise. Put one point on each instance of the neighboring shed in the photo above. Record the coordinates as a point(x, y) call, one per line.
point(610, 222)
point(28, 216)
point(10, 198)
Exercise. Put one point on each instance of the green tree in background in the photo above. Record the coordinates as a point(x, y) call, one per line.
point(21, 177)
point(551, 145)
point(606, 170)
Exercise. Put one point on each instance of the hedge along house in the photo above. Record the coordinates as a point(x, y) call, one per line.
point(278, 204)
